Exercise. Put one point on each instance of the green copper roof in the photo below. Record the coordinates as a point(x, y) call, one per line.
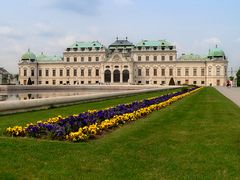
point(44, 58)
point(191, 57)
point(41, 57)
point(28, 56)
point(147, 43)
point(93, 44)
point(216, 52)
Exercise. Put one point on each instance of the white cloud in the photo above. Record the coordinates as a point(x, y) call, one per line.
point(42, 26)
point(123, 2)
point(44, 30)
point(62, 42)
point(238, 40)
point(212, 41)
point(8, 32)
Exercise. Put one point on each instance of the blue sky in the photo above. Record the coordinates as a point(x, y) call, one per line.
point(50, 26)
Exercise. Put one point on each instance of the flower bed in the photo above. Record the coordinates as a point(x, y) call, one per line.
point(92, 123)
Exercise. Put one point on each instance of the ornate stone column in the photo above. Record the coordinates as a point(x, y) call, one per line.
point(121, 76)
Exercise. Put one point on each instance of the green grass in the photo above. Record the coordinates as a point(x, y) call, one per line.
point(195, 138)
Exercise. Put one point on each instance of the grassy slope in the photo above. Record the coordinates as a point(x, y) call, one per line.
point(197, 137)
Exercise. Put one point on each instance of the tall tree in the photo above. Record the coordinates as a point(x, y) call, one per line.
point(171, 82)
point(238, 77)
point(29, 81)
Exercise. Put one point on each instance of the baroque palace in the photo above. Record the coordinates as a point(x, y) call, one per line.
point(122, 62)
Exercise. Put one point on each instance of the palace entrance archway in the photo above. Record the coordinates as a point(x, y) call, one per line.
point(125, 75)
point(107, 76)
point(116, 75)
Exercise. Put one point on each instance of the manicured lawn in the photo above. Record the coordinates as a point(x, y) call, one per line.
point(195, 138)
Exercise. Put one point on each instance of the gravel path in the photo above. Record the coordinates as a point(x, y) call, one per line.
point(233, 93)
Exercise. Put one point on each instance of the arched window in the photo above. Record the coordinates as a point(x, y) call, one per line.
point(107, 76)
point(116, 76)
point(125, 75)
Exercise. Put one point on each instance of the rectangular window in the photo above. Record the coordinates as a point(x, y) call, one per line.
point(75, 59)
point(46, 82)
point(170, 72)
point(154, 82)
point(178, 71)
point(53, 72)
point(89, 59)
point(147, 58)
point(97, 59)
point(225, 71)
point(32, 72)
point(218, 71)
point(39, 72)
point(155, 58)
point(68, 59)
point(89, 73)
point(162, 72)
point(170, 58)
point(139, 72)
point(139, 58)
point(68, 72)
point(163, 82)
point(209, 71)
point(154, 72)
point(82, 72)
point(75, 72)
point(97, 72)
point(39, 82)
point(46, 72)
point(194, 82)
point(61, 72)
point(82, 59)
point(179, 82)
point(202, 82)
point(163, 58)
point(25, 72)
point(89, 82)
point(60, 82)
point(202, 72)
point(186, 71)
point(147, 82)
point(54, 82)
point(194, 71)
point(147, 72)
point(82, 82)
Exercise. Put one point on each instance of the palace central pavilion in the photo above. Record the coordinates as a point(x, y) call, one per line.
point(122, 62)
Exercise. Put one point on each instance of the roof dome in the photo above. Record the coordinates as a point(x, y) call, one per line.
point(216, 52)
point(28, 56)
point(41, 56)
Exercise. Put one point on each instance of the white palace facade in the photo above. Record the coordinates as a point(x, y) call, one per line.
point(122, 62)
